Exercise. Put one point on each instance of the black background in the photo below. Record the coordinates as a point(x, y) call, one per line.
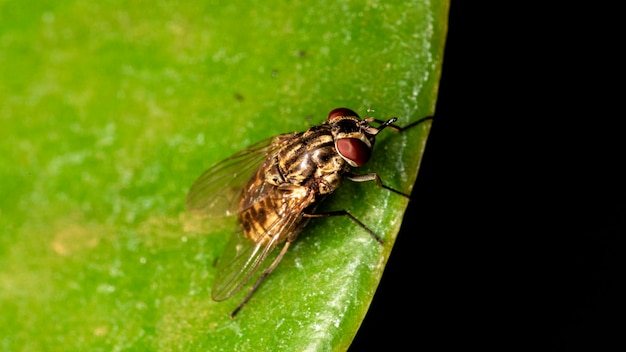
point(513, 238)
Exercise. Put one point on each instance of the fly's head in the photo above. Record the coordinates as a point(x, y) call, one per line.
point(354, 138)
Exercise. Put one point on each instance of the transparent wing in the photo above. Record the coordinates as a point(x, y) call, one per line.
point(218, 190)
point(242, 257)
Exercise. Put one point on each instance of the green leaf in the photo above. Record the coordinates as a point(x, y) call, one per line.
point(111, 109)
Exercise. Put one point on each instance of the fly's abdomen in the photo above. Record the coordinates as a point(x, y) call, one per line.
point(272, 212)
point(258, 221)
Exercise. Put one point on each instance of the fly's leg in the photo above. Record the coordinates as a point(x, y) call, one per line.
point(288, 242)
point(264, 274)
point(350, 216)
point(379, 182)
point(404, 128)
point(374, 176)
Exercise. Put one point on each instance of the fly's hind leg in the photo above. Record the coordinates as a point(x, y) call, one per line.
point(264, 274)
point(288, 242)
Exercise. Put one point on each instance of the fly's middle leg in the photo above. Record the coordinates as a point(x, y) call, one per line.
point(379, 182)
point(359, 178)
point(350, 216)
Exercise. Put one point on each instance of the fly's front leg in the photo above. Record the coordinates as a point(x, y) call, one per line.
point(404, 128)
point(379, 182)
point(374, 176)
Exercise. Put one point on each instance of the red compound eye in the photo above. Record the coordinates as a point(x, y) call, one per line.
point(341, 112)
point(354, 151)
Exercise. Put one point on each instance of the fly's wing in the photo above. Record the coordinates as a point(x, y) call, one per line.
point(218, 190)
point(242, 257)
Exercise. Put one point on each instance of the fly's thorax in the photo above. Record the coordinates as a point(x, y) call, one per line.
point(310, 160)
point(330, 169)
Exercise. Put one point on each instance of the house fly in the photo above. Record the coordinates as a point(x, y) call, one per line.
point(274, 186)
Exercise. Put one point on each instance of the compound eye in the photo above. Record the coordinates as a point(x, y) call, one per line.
point(339, 112)
point(354, 151)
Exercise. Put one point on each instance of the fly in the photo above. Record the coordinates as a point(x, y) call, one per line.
point(274, 186)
